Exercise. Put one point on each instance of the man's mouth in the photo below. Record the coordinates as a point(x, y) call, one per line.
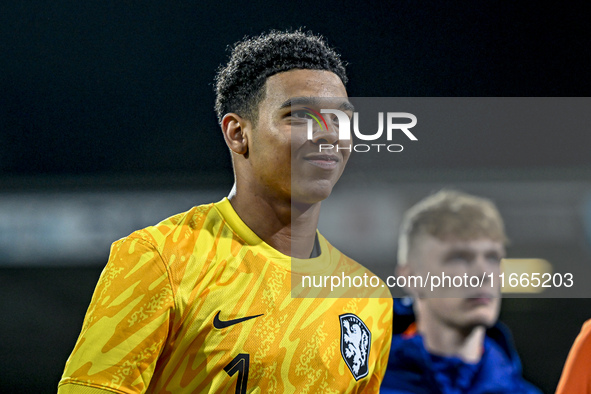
point(480, 299)
point(325, 161)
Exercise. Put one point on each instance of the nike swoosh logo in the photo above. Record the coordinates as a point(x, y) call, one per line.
point(219, 324)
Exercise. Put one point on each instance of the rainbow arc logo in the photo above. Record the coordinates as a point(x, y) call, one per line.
point(387, 122)
point(318, 115)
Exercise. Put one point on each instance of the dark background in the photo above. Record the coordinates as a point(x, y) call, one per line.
point(119, 95)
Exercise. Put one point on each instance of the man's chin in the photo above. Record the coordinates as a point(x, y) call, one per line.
point(485, 320)
point(311, 195)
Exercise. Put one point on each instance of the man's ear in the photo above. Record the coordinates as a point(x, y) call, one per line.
point(403, 270)
point(234, 129)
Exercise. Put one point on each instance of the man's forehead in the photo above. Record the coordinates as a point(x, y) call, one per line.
point(456, 243)
point(341, 103)
point(298, 82)
point(478, 245)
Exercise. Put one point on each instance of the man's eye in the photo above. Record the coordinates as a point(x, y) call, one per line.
point(494, 258)
point(301, 114)
point(459, 258)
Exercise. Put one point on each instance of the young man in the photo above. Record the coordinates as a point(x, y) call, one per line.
point(202, 301)
point(454, 345)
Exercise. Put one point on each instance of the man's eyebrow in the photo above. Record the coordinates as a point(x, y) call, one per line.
point(460, 250)
point(347, 106)
point(315, 101)
point(495, 252)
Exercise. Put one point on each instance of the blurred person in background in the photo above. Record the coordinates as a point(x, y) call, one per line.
point(449, 341)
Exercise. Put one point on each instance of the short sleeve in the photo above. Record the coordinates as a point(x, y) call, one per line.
point(127, 322)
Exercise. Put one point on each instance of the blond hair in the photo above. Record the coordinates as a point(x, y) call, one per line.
point(450, 215)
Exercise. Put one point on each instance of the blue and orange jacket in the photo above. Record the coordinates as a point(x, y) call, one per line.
point(412, 369)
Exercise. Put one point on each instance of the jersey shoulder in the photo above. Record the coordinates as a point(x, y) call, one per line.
point(183, 240)
point(173, 228)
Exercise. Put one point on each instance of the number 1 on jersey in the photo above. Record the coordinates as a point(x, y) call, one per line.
point(239, 364)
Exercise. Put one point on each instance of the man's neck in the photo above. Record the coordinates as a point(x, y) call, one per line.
point(444, 340)
point(288, 228)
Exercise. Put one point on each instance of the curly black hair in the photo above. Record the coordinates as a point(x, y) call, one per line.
point(239, 84)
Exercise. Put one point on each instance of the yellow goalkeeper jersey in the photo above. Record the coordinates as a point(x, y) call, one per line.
point(200, 304)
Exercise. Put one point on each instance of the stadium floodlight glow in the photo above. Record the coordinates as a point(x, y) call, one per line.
point(529, 275)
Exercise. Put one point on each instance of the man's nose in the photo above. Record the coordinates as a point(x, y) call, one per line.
point(328, 134)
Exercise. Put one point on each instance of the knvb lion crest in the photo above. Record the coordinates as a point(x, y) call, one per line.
point(355, 344)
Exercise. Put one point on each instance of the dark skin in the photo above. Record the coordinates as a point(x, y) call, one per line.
point(280, 176)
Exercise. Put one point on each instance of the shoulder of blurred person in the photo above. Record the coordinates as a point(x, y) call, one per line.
point(412, 369)
point(576, 374)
